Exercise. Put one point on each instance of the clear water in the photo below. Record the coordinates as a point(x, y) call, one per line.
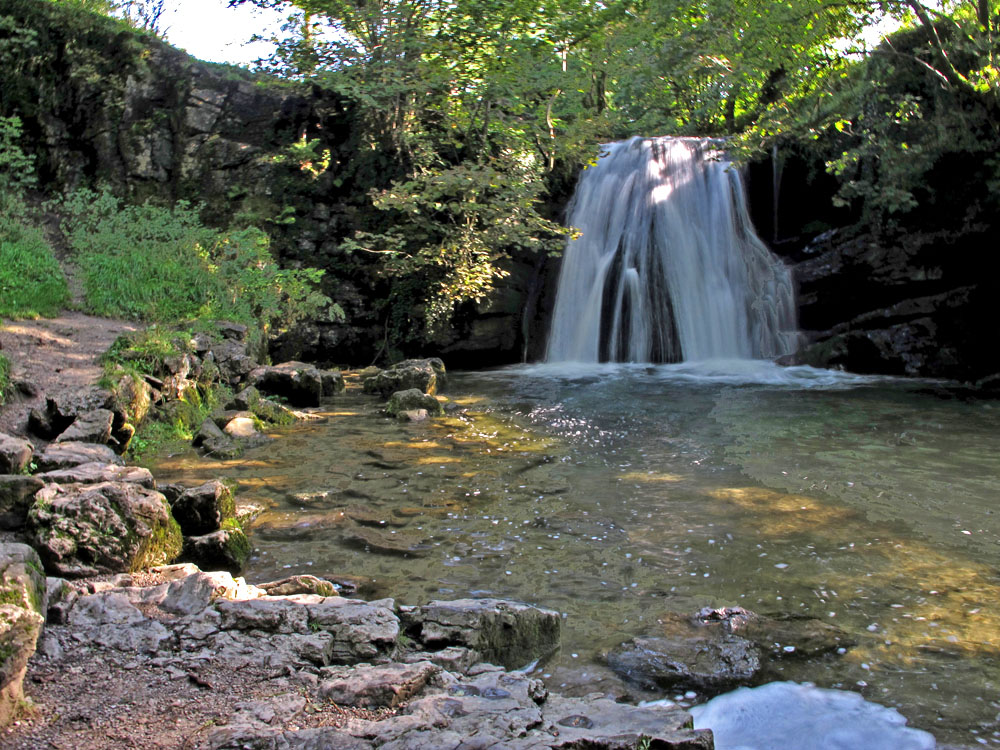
point(617, 493)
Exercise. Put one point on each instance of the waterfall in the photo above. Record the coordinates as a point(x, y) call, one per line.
point(667, 266)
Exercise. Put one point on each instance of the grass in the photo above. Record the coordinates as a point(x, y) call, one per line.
point(32, 284)
point(4, 379)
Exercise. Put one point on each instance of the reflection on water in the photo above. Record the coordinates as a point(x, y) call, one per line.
point(618, 493)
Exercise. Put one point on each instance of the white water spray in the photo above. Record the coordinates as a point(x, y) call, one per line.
point(667, 266)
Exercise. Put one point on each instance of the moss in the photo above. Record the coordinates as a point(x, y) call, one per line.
point(161, 547)
point(238, 546)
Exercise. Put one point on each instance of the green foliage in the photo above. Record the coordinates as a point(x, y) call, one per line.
point(31, 281)
point(144, 352)
point(161, 264)
point(4, 379)
point(17, 169)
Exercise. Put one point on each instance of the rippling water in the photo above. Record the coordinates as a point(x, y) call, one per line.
point(617, 493)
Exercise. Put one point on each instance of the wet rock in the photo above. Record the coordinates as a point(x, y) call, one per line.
point(299, 383)
point(719, 649)
point(413, 400)
point(23, 606)
point(368, 686)
point(301, 584)
point(17, 495)
point(703, 662)
point(212, 441)
point(225, 549)
point(250, 400)
point(94, 473)
point(67, 455)
point(366, 516)
point(110, 527)
point(15, 454)
point(426, 375)
point(89, 427)
point(203, 509)
point(506, 633)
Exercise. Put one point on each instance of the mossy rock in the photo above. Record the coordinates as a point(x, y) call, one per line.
point(109, 527)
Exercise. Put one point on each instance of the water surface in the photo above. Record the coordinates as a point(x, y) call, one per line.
point(618, 493)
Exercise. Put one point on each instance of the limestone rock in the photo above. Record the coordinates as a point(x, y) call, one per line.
point(361, 631)
point(51, 421)
point(427, 375)
point(96, 472)
point(411, 400)
point(89, 427)
point(67, 455)
point(17, 494)
point(110, 527)
point(203, 509)
point(506, 633)
point(22, 615)
point(298, 382)
point(367, 686)
point(15, 454)
point(225, 549)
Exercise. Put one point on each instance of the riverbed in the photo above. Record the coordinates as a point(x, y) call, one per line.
point(620, 493)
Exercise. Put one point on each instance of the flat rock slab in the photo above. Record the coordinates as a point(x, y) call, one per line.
point(67, 455)
point(96, 472)
point(89, 427)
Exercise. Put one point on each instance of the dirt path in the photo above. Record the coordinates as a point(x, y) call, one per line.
point(54, 357)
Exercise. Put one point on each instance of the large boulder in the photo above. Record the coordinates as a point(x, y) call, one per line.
point(428, 375)
point(15, 454)
point(299, 383)
point(506, 633)
point(110, 527)
point(22, 617)
point(17, 495)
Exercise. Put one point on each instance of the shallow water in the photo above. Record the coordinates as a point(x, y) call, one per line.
point(615, 493)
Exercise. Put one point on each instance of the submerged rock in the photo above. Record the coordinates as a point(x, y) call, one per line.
point(110, 527)
point(768, 717)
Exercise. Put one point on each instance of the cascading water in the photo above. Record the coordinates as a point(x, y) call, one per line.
point(667, 266)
